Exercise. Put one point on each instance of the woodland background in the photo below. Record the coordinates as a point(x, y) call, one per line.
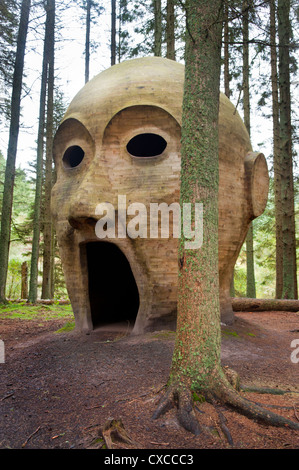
point(66, 44)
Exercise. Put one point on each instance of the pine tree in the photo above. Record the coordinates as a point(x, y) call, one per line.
point(289, 289)
point(113, 32)
point(9, 12)
point(276, 150)
point(250, 291)
point(47, 219)
point(170, 30)
point(157, 28)
point(33, 283)
point(196, 366)
point(12, 146)
point(87, 40)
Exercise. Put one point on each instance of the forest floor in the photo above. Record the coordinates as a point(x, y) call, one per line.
point(58, 389)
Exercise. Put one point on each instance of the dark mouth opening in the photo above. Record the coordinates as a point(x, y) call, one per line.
point(113, 293)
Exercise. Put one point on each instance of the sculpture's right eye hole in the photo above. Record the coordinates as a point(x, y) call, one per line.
point(146, 145)
point(73, 156)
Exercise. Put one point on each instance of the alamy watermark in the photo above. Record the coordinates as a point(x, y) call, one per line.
point(2, 352)
point(295, 353)
point(113, 223)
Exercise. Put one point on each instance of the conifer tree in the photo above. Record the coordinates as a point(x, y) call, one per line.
point(196, 365)
point(33, 283)
point(12, 146)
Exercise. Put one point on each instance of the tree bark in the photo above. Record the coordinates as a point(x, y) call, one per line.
point(196, 365)
point(47, 222)
point(87, 40)
point(113, 32)
point(276, 156)
point(12, 146)
point(196, 357)
point(261, 305)
point(250, 286)
point(250, 283)
point(226, 51)
point(33, 284)
point(24, 280)
point(289, 290)
point(170, 31)
point(157, 28)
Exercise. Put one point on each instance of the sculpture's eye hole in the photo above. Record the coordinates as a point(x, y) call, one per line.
point(146, 145)
point(73, 156)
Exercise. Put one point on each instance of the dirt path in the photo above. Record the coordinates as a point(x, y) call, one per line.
point(57, 390)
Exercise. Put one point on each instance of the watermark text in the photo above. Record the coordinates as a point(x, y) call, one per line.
point(295, 353)
point(2, 352)
point(168, 220)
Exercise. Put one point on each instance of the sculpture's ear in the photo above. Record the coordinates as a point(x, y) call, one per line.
point(257, 176)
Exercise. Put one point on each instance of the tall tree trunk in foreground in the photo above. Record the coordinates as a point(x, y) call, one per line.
point(33, 283)
point(276, 153)
point(250, 284)
point(170, 38)
point(196, 365)
point(47, 222)
point(12, 147)
point(289, 290)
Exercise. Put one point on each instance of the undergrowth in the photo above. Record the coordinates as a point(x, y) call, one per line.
point(23, 311)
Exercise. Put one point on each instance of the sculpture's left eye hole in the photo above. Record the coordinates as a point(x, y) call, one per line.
point(146, 145)
point(73, 156)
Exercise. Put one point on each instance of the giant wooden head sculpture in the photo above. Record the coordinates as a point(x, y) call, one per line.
point(119, 143)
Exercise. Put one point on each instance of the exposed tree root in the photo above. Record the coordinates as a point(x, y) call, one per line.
point(219, 392)
point(224, 428)
point(114, 434)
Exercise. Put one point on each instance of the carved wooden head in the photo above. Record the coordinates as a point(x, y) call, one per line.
point(119, 144)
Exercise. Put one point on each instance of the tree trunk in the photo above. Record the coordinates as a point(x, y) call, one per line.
point(262, 305)
point(47, 222)
point(250, 283)
point(289, 290)
point(250, 287)
point(196, 366)
point(24, 280)
point(276, 150)
point(113, 32)
point(170, 38)
point(196, 358)
point(87, 40)
point(33, 285)
point(53, 238)
point(157, 28)
point(226, 51)
point(12, 147)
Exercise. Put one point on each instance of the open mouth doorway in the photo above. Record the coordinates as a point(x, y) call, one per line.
point(113, 292)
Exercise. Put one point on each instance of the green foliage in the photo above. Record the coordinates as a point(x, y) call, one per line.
point(240, 274)
point(230, 333)
point(22, 219)
point(23, 198)
point(264, 251)
point(69, 326)
point(198, 398)
point(13, 285)
point(136, 32)
point(9, 23)
point(23, 311)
